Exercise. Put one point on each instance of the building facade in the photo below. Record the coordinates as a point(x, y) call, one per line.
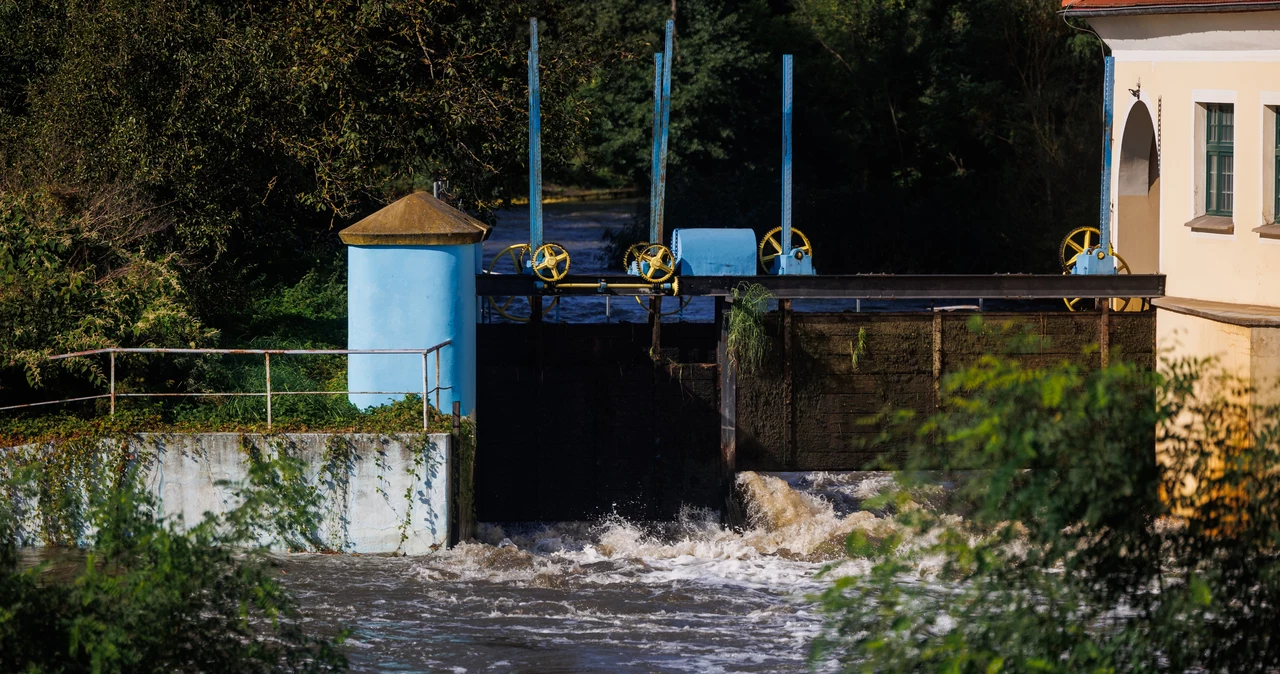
point(1195, 186)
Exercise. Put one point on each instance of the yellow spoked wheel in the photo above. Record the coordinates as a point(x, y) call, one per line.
point(1077, 242)
point(511, 261)
point(771, 245)
point(684, 302)
point(551, 262)
point(656, 263)
point(1117, 303)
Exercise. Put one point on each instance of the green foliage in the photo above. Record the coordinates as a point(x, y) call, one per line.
point(1078, 549)
point(922, 126)
point(399, 417)
point(72, 277)
point(749, 343)
point(151, 597)
point(213, 149)
point(857, 352)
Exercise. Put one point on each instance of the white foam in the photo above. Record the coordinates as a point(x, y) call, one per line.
point(794, 531)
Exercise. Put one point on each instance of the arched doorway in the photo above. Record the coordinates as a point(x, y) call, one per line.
point(1138, 201)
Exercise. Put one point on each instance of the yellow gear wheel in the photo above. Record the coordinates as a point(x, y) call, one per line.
point(551, 262)
point(656, 263)
point(1117, 303)
point(514, 257)
point(772, 242)
point(1078, 241)
point(632, 254)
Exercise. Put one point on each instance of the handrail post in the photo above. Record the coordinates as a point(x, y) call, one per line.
point(113, 383)
point(424, 390)
point(267, 358)
point(438, 381)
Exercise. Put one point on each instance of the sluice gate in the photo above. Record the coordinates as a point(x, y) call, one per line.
point(578, 421)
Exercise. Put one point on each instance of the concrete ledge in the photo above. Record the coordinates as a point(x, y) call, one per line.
point(380, 494)
point(1213, 224)
point(1245, 315)
point(1271, 231)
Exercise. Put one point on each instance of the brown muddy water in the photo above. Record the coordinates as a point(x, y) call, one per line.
point(608, 596)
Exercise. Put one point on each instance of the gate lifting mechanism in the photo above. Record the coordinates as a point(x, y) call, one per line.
point(719, 252)
point(702, 252)
point(1087, 251)
point(548, 261)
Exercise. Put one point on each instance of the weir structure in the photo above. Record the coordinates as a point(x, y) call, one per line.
point(641, 420)
point(577, 421)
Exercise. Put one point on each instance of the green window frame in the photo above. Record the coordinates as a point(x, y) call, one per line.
point(1275, 156)
point(1219, 162)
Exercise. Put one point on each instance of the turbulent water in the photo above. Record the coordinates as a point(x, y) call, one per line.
point(609, 596)
point(613, 595)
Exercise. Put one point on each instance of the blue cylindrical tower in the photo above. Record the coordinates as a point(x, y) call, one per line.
point(411, 284)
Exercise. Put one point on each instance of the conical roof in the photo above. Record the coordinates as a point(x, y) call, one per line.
point(416, 220)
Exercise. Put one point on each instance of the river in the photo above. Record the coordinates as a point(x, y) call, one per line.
point(608, 596)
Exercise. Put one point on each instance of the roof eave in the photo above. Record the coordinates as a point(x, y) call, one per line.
point(1214, 8)
point(366, 239)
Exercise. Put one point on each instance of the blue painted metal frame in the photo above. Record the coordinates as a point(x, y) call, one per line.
point(790, 260)
point(785, 238)
point(1108, 112)
point(1092, 264)
point(661, 191)
point(535, 142)
point(655, 170)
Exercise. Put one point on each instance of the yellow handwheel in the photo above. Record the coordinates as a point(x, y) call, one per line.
point(1117, 303)
point(656, 263)
point(515, 257)
point(1078, 241)
point(771, 245)
point(551, 262)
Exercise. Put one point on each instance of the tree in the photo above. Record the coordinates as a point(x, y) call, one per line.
point(1076, 550)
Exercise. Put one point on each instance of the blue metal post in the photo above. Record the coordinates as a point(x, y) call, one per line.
point(535, 141)
point(666, 128)
point(786, 160)
point(1108, 265)
point(655, 172)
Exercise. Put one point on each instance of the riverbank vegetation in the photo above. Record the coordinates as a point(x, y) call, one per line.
point(1081, 547)
point(147, 594)
point(175, 173)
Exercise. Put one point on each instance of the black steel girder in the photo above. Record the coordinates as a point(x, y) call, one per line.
point(858, 286)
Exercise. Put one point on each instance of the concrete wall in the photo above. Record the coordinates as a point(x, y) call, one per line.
point(1252, 353)
point(380, 494)
point(1168, 67)
point(813, 416)
point(1175, 64)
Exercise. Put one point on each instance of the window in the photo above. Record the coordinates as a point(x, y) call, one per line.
point(1275, 157)
point(1219, 158)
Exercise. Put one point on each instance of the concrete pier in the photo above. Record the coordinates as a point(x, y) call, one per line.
point(379, 494)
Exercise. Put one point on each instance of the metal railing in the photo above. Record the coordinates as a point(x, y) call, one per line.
point(266, 355)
